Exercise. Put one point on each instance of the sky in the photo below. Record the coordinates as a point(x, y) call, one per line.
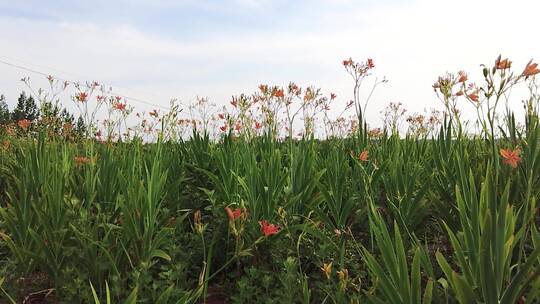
point(155, 50)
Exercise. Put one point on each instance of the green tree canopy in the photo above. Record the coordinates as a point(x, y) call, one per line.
point(26, 108)
point(4, 111)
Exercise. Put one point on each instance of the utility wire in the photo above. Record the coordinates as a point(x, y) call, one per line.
point(79, 76)
point(130, 98)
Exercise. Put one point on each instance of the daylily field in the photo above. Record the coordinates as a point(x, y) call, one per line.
point(276, 197)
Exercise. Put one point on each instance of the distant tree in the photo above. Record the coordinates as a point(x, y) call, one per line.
point(49, 110)
point(67, 117)
point(80, 128)
point(26, 108)
point(31, 109)
point(4, 111)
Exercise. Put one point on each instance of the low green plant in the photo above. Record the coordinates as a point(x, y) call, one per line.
point(484, 247)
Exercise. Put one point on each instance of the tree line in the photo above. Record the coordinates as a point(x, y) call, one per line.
point(47, 115)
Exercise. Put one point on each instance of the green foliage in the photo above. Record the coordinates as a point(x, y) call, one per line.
point(4, 111)
point(26, 108)
point(485, 247)
point(245, 217)
point(394, 281)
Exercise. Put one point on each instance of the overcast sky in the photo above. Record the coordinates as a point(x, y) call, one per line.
point(158, 49)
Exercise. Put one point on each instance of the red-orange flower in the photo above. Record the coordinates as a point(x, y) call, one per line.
point(364, 155)
point(531, 69)
point(511, 157)
point(233, 214)
point(120, 106)
point(462, 76)
point(268, 229)
point(263, 88)
point(258, 125)
point(154, 113)
point(82, 97)
point(81, 160)
point(10, 130)
point(370, 63)
point(221, 116)
point(348, 62)
point(473, 97)
point(67, 127)
point(223, 128)
point(279, 93)
point(502, 64)
point(24, 123)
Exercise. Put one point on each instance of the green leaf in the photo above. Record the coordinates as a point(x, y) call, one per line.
point(132, 298)
point(164, 297)
point(428, 292)
point(464, 292)
point(160, 254)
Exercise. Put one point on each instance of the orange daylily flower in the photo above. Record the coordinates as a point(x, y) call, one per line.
point(348, 62)
point(81, 160)
point(370, 63)
point(233, 214)
point(67, 127)
point(473, 97)
point(502, 64)
point(263, 88)
point(531, 69)
point(462, 76)
point(10, 130)
point(364, 155)
point(82, 96)
point(24, 123)
point(120, 106)
point(511, 157)
point(268, 229)
point(279, 93)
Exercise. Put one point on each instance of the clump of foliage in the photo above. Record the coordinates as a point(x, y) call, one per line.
point(273, 199)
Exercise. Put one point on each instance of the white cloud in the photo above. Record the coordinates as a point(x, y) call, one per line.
point(411, 43)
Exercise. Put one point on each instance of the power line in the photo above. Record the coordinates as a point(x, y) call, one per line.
point(130, 98)
point(80, 76)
